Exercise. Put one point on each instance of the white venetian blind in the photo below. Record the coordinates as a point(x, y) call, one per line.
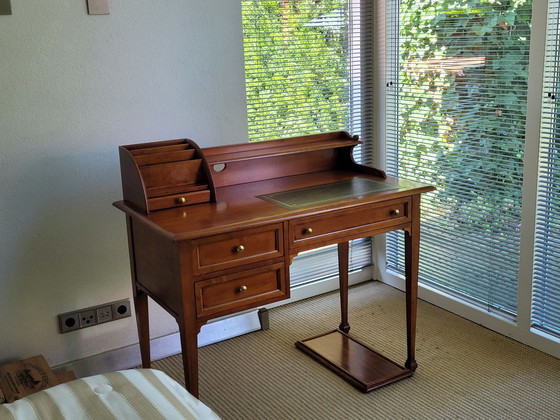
point(307, 64)
point(456, 106)
point(546, 278)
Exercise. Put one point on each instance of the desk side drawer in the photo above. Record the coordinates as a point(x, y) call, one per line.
point(228, 250)
point(240, 291)
point(348, 223)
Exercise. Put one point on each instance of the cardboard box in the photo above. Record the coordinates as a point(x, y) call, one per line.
point(64, 377)
point(19, 379)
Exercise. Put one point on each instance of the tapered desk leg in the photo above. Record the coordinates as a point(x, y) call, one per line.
point(412, 250)
point(189, 348)
point(142, 322)
point(343, 279)
point(140, 303)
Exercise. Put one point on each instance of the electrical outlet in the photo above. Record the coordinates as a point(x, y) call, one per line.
point(95, 315)
point(87, 318)
point(121, 309)
point(68, 322)
point(104, 313)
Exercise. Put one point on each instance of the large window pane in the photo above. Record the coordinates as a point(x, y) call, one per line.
point(456, 99)
point(307, 64)
point(546, 284)
point(303, 63)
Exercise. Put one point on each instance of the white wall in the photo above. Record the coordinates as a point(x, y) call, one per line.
point(74, 87)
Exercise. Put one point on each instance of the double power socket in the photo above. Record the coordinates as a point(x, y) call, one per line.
point(88, 317)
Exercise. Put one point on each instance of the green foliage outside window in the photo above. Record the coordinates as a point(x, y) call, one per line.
point(453, 123)
point(460, 95)
point(462, 114)
point(296, 67)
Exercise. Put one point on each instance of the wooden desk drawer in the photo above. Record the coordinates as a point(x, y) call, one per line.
point(348, 223)
point(241, 291)
point(228, 250)
point(179, 200)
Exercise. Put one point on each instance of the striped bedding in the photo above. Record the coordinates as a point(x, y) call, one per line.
point(127, 394)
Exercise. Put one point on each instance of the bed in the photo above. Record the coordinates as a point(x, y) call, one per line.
point(127, 394)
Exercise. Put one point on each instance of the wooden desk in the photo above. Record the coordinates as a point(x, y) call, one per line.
point(213, 231)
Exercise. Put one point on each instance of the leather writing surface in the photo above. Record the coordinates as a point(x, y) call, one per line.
point(303, 197)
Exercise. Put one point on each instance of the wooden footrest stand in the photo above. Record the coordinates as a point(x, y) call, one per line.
point(358, 364)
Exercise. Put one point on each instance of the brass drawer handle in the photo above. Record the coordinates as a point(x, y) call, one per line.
point(242, 289)
point(181, 200)
point(307, 231)
point(395, 212)
point(239, 249)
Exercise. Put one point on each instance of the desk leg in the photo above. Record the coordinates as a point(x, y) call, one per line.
point(142, 322)
point(412, 251)
point(189, 349)
point(343, 280)
point(140, 302)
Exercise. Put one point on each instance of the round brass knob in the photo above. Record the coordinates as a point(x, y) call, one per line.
point(242, 289)
point(239, 248)
point(307, 231)
point(181, 200)
point(395, 212)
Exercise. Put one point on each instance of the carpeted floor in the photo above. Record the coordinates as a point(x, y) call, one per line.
point(464, 371)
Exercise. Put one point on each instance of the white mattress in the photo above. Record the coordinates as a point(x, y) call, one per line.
point(128, 395)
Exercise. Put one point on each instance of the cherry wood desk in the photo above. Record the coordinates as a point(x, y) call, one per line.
point(213, 231)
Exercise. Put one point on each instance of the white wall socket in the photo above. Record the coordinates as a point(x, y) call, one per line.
point(88, 317)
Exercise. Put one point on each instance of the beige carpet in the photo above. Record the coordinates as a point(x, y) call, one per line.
point(464, 371)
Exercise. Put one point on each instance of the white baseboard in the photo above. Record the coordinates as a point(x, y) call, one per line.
point(169, 345)
point(212, 332)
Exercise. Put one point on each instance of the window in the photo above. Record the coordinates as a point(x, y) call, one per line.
point(546, 285)
point(304, 63)
point(472, 107)
point(462, 109)
point(457, 97)
point(306, 66)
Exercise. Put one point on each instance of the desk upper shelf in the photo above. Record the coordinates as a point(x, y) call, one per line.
point(279, 147)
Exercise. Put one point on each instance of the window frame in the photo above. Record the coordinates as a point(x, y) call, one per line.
point(521, 329)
